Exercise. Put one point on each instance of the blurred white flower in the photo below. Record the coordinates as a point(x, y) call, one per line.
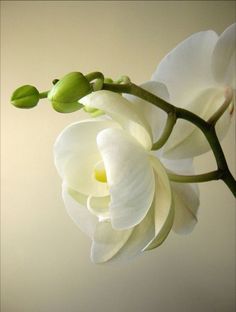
point(114, 188)
point(198, 74)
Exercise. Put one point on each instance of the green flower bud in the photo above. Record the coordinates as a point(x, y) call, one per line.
point(25, 97)
point(66, 93)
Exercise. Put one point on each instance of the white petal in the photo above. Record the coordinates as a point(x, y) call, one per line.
point(186, 69)
point(99, 206)
point(129, 176)
point(75, 204)
point(154, 116)
point(224, 57)
point(176, 146)
point(123, 112)
point(186, 139)
point(155, 227)
point(164, 211)
point(107, 242)
point(186, 203)
point(186, 196)
point(76, 154)
point(223, 124)
point(225, 121)
point(179, 166)
point(142, 234)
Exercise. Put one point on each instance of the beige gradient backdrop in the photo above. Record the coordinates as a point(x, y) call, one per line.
point(45, 258)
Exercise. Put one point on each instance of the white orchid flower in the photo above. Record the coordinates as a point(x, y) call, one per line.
point(114, 189)
point(200, 76)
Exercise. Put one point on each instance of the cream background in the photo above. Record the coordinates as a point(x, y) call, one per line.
point(45, 258)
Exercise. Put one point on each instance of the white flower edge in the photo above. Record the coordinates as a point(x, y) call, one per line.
point(196, 74)
point(121, 110)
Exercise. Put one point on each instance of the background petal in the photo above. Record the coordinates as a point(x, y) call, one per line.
point(186, 140)
point(179, 166)
point(185, 196)
point(224, 57)
point(129, 176)
point(186, 70)
point(123, 111)
point(76, 153)
point(186, 203)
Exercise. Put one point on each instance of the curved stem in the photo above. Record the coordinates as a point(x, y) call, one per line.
point(123, 79)
point(94, 75)
point(207, 128)
point(133, 89)
point(205, 177)
point(98, 84)
point(228, 99)
point(171, 120)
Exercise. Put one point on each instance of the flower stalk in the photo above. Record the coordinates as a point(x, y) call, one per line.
point(228, 100)
point(170, 123)
point(43, 95)
point(196, 178)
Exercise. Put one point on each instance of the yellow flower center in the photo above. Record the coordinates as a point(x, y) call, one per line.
point(100, 172)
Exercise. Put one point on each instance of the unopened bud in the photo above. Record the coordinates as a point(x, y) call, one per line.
point(25, 97)
point(66, 93)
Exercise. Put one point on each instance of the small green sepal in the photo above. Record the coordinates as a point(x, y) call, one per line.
point(66, 107)
point(25, 97)
point(94, 112)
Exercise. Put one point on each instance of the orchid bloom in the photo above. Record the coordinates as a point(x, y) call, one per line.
point(200, 76)
point(114, 188)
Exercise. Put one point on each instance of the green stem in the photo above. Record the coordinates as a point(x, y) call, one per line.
point(98, 84)
point(171, 120)
point(131, 88)
point(123, 79)
point(94, 75)
point(216, 116)
point(197, 178)
point(43, 95)
point(207, 128)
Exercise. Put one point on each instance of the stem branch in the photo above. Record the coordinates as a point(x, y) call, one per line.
point(209, 176)
point(43, 95)
point(171, 120)
point(228, 99)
